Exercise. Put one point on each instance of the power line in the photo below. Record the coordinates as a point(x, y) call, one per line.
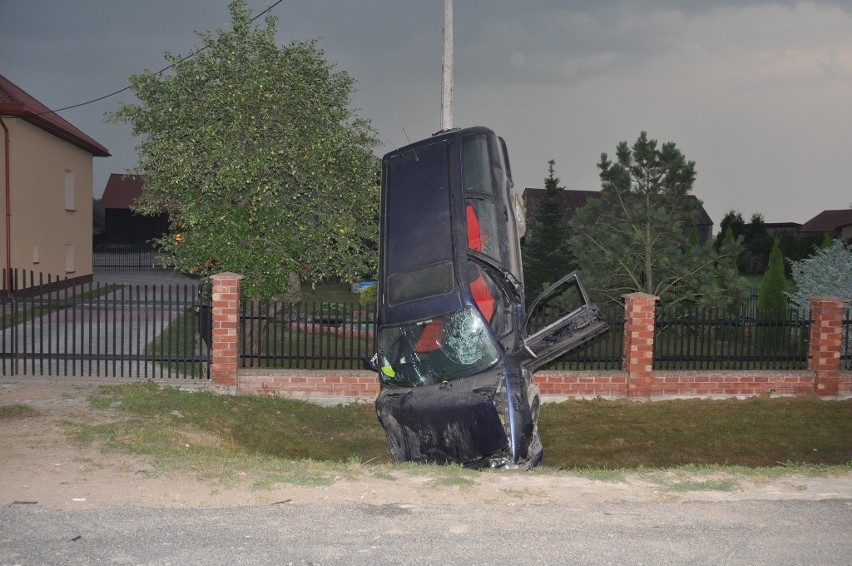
point(160, 72)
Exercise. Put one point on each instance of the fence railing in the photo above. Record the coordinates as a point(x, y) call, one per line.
point(124, 257)
point(164, 331)
point(846, 348)
point(97, 329)
point(306, 335)
point(602, 353)
point(687, 339)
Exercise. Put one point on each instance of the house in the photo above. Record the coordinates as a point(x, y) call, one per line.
point(838, 223)
point(46, 178)
point(572, 200)
point(123, 226)
point(779, 228)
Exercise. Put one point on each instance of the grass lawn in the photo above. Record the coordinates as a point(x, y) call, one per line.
point(577, 435)
point(330, 293)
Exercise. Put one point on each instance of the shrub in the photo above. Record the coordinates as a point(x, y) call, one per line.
point(331, 312)
point(369, 296)
point(828, 272)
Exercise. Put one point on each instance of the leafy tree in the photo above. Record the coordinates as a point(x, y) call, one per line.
point(734, 221)
point(255, 153)
point(546, 254)
point(635, 236)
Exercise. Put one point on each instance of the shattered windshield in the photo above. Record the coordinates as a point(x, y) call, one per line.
point(443, 348)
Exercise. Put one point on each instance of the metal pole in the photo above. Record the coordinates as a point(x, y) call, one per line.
point(447, 78)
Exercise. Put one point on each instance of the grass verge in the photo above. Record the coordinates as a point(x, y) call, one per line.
point(17, 411)
point(688, 445)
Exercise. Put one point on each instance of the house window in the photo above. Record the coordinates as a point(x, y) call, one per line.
point(69, 258)
point(70, 199)
point(35, 254)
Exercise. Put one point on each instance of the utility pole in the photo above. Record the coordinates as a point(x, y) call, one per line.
point(447, 78)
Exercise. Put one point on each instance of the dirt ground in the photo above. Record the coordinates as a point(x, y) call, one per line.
point(40, 466)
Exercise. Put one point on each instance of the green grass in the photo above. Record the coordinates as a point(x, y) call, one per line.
point(216, 436)
point(17, 411)
point(753, 432)
point(178, 341)
point(329, 293)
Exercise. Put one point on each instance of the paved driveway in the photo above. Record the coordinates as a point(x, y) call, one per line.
point(104, 336)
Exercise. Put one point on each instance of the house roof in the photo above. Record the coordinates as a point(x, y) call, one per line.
point(121, 191)
point(17, 103)
point(572, 200)
point(828, 221)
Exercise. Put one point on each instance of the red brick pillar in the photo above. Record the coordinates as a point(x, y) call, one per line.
point(825, 343)
point(226, 323)
point(638, 357)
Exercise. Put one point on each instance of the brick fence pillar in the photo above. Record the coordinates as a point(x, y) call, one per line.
point(825, 343)
point(638, 357)
point(226, 322)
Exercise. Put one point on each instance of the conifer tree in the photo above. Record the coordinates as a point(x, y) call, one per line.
point(545, 252)
point(773, 286)
point(634, 237)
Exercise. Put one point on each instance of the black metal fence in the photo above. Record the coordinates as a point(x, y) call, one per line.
point(164, 331)
point(95, 329)
point(690, 339)
point(846, 348)
point(306, 335)
point(124, 257)
point(601, 353)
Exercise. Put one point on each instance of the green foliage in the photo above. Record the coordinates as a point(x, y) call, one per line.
point(796, 247)
point(332, 311)
point(728, 272)
point(546, 254)
point(369, 296)
point(256, 155)
point(727, 243)
point(772, 300)
point(732, 221)
point(773, 287)
point(757, 245)
point(634, 238)
point(828, 272)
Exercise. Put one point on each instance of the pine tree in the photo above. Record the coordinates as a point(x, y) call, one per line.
point(545, 252)
point(772, 302)
point(773, 286)
point(632, 238)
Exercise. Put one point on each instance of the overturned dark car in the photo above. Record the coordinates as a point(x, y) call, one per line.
point(455, 351)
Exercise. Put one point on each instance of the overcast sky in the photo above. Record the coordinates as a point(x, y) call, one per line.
point(757, 93)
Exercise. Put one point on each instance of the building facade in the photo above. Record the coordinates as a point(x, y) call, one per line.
point(46, 175)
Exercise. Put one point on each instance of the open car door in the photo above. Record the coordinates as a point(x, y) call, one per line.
point(563, 318)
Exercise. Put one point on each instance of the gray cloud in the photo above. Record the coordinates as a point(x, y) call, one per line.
point(756, 92)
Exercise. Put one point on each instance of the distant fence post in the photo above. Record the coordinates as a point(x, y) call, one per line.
point(225, 307)
point(638, 352)
point(826, 341)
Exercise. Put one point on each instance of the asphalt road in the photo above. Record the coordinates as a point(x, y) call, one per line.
point(740, 532)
